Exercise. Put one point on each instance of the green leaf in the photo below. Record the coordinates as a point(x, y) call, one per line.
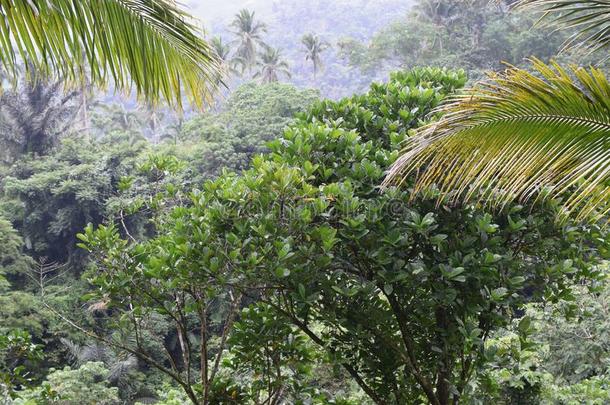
point(63, 37)
point(282, 272)
point(388, 288)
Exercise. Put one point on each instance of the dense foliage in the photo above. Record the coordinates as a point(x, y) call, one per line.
point(251, 255)
point(307, 233)
point(477, 35)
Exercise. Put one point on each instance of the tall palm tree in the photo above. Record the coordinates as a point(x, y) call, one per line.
point(314, 46)
point(271, 66)
point(223, 51)
point(523, 135)
point(148, 46)
point(249, 37)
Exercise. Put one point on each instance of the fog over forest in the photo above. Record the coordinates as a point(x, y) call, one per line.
point(289, 20)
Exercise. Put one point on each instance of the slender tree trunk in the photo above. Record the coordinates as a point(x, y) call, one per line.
point(444, 373)
point(85, 109)
point(203, 316)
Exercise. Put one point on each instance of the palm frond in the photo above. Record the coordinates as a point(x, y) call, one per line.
point(120, 367)
point(91, 351)
point(94, 351)
point(74, 350)
point(589, 18)
point(517, 135)
point(148, 46)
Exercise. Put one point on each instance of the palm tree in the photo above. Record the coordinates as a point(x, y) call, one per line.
point(34, 116)
point(271, 66)
point(115, 117)
point(62, 37)
point(522, 135)
point(153, 120)
point(223, 51)
point(249, 37)
point(314, 47)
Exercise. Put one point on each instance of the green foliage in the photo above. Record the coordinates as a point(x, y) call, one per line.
point(476, 35)
point(17, 352)
point(249, 256)
point(564, 360)
point(20, 308)
point(252, 116)
point(272, 354)
point(574, 334)
point(308, 228)
point(594, 391)
point(87, 385)
point(13, 262)
point(169, 396)
point(58, 195)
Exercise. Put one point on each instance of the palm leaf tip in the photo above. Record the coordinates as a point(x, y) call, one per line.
point(146, 46)
point(515, 135)
point(589, 19)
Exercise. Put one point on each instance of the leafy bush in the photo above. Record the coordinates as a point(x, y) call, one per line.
point(87, 385)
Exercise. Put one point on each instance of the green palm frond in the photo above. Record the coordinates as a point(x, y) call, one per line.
point(146, 46)
point(517, 135)
point(589, 18)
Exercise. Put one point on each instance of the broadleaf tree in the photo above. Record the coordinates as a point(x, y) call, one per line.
point(400, 293)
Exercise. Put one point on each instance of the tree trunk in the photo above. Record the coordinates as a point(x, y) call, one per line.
point(444, 373)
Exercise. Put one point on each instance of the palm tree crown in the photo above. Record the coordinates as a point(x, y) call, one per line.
point(61, 37)
point(221, 48)
point(314, 47)
point(35, 116)
point(249, 37)
point(271, 66)
point(223, 51)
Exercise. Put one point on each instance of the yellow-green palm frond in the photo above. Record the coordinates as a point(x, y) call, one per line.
point(518, 134)
point(147, 46)
point(589, 18)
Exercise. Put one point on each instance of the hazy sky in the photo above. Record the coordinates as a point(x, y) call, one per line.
point(222, 10)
